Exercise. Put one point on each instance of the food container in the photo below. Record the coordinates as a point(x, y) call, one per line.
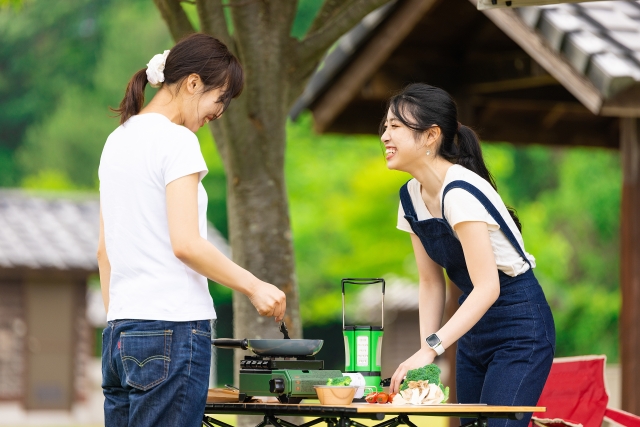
point(357, 380)
point(335, 394)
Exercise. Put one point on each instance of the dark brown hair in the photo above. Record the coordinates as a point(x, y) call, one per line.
point(198, 54)
point(427, 106)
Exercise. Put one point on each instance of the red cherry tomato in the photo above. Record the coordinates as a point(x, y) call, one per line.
point(391, 396)
point(371, 397)
point(382, 398)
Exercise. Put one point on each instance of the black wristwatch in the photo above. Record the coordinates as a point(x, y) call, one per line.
point(435, 343)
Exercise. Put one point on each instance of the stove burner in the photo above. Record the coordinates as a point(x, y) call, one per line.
point(279, 358)
point(264, 364)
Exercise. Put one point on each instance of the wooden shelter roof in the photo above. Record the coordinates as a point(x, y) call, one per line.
point(492, 4)
point(40, 231)
point(558, 74)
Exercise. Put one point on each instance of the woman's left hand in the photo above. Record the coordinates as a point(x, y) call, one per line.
point(422, 357)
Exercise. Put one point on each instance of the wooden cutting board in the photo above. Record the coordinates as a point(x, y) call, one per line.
point(222, 395)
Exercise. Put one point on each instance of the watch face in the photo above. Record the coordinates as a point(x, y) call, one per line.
point(433, 340)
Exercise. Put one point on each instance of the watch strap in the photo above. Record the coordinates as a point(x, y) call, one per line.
point(438, 348)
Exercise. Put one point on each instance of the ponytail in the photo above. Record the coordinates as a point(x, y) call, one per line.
point(420, 106)
point(469, 155)
point(133, 99)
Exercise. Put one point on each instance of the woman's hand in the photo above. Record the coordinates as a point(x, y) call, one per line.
point(204, 258)
point(420, 358)
point(269, 300)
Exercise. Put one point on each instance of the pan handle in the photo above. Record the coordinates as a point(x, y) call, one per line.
point(231, 343)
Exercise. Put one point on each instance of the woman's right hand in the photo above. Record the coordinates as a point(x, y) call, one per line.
point(269, 300)
point(420, 358)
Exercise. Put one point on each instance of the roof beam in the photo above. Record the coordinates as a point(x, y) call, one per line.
point(510, 84)
point(491, 4)
point(384, 41)
point(532, 43)
point(624, 104)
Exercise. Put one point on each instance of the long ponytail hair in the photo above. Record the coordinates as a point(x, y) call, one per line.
point(198, 54)
point(420, 106)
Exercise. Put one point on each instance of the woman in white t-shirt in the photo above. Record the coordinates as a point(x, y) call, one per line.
point(153, 253)
point(457, 221)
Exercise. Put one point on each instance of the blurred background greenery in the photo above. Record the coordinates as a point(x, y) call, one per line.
point(63, 63)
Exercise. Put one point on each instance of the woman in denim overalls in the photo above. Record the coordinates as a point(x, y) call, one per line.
point(504, 327)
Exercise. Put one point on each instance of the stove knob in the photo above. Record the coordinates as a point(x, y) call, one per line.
point(276, 385)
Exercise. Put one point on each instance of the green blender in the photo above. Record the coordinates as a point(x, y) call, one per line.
point(363, 344)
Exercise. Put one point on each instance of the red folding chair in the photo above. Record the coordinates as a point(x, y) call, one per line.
point(576, 395)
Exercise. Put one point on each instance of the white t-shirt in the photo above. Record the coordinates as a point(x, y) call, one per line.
point(148, 282)
point(460, 206)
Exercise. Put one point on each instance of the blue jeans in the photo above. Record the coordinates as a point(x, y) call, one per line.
point(155, 373)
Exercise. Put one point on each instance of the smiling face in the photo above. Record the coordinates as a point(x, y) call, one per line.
point(405, 148)
point(402, 149)
point(199, 107)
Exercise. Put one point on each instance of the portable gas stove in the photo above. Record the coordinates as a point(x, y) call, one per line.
point(285, 369)
point(290, 379)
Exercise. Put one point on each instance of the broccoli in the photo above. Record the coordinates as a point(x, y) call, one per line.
point(429, 373)
point(339, 381)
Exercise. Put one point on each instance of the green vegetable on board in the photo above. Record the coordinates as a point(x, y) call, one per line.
point(429, 373)
point(339, 381)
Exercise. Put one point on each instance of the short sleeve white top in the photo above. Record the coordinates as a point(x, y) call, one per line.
point(148, 281)
point(461, 206)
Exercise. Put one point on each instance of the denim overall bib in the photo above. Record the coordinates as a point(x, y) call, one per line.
point(506, 357)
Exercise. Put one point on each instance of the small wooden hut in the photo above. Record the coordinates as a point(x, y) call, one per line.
point(47, 254)
point(564, 74)
point(48, 246)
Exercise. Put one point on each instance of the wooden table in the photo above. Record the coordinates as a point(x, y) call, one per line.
point(343, 415)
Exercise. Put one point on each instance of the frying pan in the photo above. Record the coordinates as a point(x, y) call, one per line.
point(274, 347)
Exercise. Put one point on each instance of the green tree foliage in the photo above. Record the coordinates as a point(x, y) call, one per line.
point(61, 65)
point(69, 139)
point(43, 50)
point(569, 204)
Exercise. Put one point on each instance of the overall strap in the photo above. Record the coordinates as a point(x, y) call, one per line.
point(407, 204)
point(490, 208)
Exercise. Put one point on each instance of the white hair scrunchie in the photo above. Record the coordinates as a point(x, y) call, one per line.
point(155, 69)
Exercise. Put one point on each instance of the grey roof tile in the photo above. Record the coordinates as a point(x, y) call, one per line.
point(581, 45)
point(600, 39)
point(610, 73)
point(602, 5)
point(631, 9)
point(613, 19)
point(555, 24)
point(56, 231)
point(628, 39)
point(530, 15)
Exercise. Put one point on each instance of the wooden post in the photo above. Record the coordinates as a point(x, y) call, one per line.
point(630, 264)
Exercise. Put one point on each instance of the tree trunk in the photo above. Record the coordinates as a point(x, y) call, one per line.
point(252, 145)
point(251, 139)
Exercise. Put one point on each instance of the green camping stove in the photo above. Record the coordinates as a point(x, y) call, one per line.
point(289, 379)
point(363, 344)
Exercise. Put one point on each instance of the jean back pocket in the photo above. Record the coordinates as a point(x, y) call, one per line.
point(145, 357)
